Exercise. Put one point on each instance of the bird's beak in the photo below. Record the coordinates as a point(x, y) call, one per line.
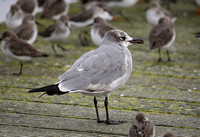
point(136, 40)
point(1, 39)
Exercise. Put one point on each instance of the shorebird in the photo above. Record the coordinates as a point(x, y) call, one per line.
point(98, 72)
point(54, 9)
point(18, 49)
point(28, 6)
point(162, 36)
point(102, 5)
point(14, 17)
point(57, 32)
point(142, 127)
point(168, 134)
point(99, 29)
point(120, 3)
point(27, 30)
point(154, 12)
point(86, 17)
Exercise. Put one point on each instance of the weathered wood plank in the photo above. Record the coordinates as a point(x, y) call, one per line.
point(88, 112)
point(83, 125)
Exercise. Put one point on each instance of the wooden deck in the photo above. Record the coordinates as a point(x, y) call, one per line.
point(168, 93)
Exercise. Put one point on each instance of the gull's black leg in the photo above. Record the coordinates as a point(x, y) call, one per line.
point(97, 112)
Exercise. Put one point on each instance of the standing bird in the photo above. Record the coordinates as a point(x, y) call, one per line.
point(168, 134)
point(28, 6)
point(57, 32)
point(162, 36)
point(14, 17)
point(99, 29)
point(98, 72)
point(154, 12)
point(120, 3)
point(27, 30)
point(142, 127)
point(54, 9)
point(18, 49)
point(86, 17)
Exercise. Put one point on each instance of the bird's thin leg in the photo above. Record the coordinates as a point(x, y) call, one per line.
point(61, 47)
point(159, 59)
point(54, 50)
point(107, 115)
point(97, 112)
point(20, 71)
point(168, 57)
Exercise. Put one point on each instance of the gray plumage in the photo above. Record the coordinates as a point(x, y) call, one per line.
point(98, 72)
point(142, 127)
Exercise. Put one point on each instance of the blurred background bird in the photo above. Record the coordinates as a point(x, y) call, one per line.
point(57, 33)
point(162, 36)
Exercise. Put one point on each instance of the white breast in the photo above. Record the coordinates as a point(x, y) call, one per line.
point(171, 41)
point(96, 38)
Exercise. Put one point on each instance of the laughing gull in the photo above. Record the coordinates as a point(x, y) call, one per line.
point(57, 32)
point(154, 12)
point(54, 9)
point(162, 36)
point(18, 49)
point(27, 30)
point(99, 29)
point(98, 72)
point(169, 134)
point(14, 17)
point(142, 127)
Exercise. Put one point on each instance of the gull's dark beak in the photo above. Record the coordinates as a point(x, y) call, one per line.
point(1, 39)
point(136, 40)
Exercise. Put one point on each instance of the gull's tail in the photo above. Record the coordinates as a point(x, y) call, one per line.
point(49, 90)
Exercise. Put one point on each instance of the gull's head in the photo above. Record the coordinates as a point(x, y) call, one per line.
point(120, 38)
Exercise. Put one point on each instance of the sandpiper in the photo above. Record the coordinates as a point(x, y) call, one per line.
point(18, 49)
point(120, 3)
point(98, 72)
point(169, 134)
point(27, 30)
point(57, 32)
point(87, 16)
point(162, 36)
point(28, 6)
point(54, 9)
point(99, 29)
point(154, 12)
point(142, 127)
point(14, 17)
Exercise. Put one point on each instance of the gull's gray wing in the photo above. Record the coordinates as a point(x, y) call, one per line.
point(94, 71)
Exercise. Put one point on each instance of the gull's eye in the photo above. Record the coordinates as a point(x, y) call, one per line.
point(123, 38)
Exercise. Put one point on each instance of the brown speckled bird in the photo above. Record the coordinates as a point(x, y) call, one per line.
point(142, 127)
point(162, 36)
point(18, 49)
